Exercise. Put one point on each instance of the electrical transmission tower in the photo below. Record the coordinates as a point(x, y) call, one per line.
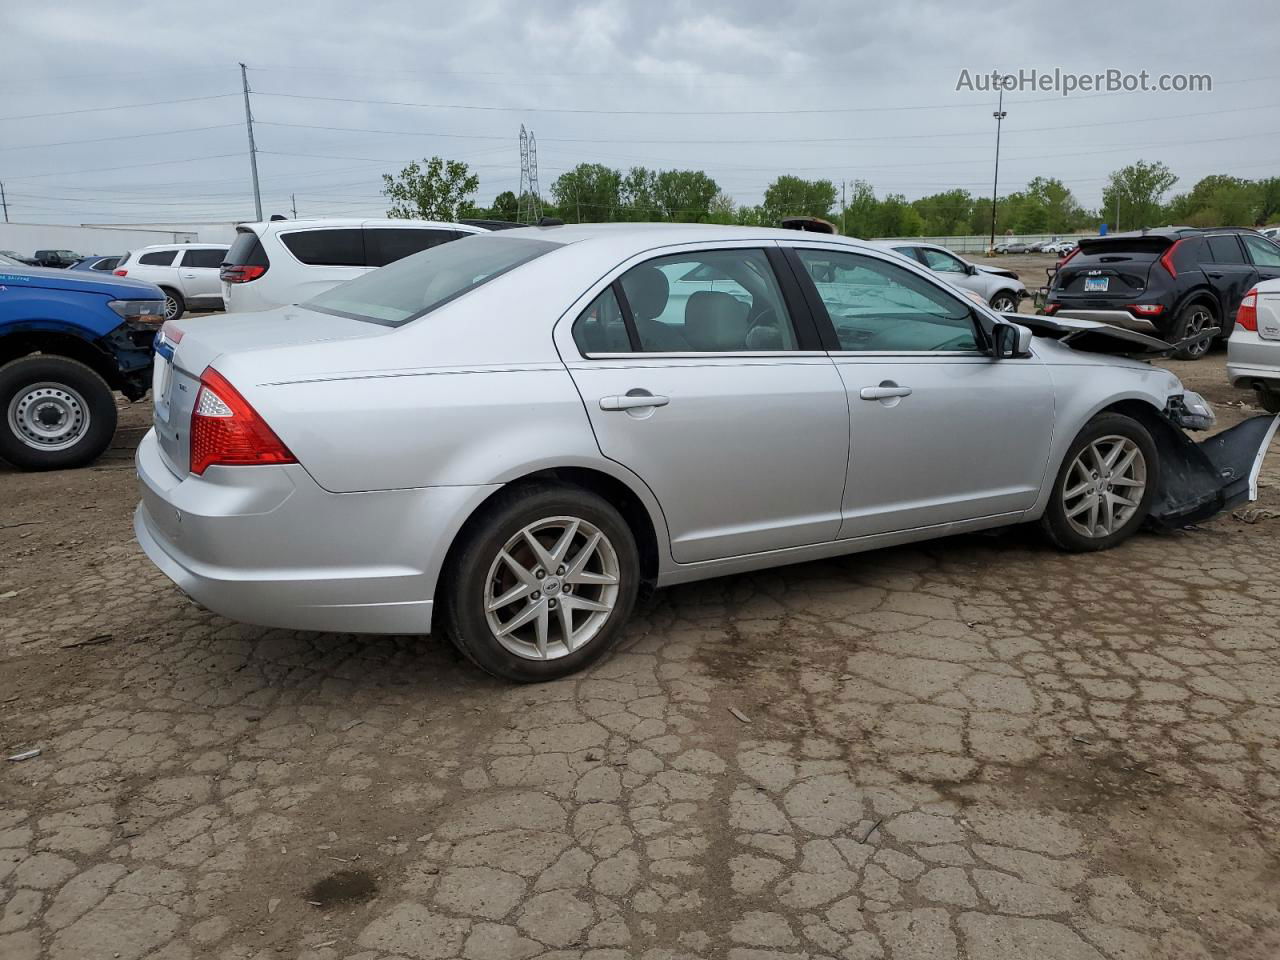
point(528, 206)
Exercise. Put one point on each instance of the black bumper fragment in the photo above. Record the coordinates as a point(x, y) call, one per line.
point(1200, 480)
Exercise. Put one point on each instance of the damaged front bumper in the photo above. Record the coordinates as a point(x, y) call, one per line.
point(1201, 480)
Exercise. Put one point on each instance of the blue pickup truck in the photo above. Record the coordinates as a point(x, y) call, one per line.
point(67, 340)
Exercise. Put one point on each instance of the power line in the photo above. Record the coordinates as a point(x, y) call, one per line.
point(123, 136)
point(130, 166)
point(121, 106)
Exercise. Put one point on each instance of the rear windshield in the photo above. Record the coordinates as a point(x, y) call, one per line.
point(246, 251)
point(1151, 246)
point(416, 285)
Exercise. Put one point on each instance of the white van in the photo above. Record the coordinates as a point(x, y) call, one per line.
point(288, 261)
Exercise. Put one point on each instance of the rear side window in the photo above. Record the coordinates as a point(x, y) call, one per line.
point(383, 245)
point(1226, 249)
point(158, 258)
point(601, 327)
point(337, 247)
point(203, 258)
point(409, 288)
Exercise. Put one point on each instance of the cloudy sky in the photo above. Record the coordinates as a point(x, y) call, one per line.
point(744, 89)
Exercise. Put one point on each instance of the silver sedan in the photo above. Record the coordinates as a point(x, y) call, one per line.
point(506, 437)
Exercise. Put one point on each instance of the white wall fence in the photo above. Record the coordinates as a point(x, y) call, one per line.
point(26, 238)
point(979, 243)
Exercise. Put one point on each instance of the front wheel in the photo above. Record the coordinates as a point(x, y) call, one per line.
point(543, 583)
point(1269, 399)
point(1105, 487)
point(58, 413)
point(1004, 302)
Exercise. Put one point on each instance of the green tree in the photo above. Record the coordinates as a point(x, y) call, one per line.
point(1216, 201)
point(790, 196)
point(945, 214)
point(435, 191)
point(684, 196)
point(1268, 201)
point(589, 193)
point(505, 206)
point(638, 195)
point(1136, 191)
point(861, 216)
point(1061, 211)
point(722, 209)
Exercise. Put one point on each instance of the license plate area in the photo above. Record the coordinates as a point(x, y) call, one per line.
point(161, 385)
point(1096, 284)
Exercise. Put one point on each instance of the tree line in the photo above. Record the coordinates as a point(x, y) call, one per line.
point(1136, 196)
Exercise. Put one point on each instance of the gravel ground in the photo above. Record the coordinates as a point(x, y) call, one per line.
point(973, 748)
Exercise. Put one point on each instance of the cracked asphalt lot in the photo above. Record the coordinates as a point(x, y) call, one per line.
point(971, 748)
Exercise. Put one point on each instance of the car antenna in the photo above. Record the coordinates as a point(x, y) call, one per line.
point(278, 216)
point(550, 222)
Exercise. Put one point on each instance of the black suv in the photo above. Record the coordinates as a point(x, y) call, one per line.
point(57, 258)
point(1171, 282)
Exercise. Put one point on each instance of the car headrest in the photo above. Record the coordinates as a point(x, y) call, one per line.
point(715, 321)
point(647, 290)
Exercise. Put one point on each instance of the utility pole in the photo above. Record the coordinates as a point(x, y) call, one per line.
point(999, 114)
point(1117, 210)
point(844, 223)
point(4, 202)
point(253, 150)
point(293, 204)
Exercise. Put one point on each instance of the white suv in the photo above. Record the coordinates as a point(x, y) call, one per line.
point(186, 272)
point(288, 261)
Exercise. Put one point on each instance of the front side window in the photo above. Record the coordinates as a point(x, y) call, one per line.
point(409, 288)
point(941, 261)
point(876, 306)
point(157, 258)
point(708, 301)
point(339, 247)
point(1262, 252)
point(203, 258)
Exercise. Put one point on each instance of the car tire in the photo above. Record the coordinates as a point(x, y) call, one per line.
point(55, 413)
point(1004, 301)
point(507, 640)
point(1079, 481)
point(1269, 400)
point(1193, 316)
point(175, 305)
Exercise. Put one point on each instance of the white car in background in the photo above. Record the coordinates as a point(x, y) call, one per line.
point(1253, 352)
point(186, 272)
point(282, 262)
point(999, 288)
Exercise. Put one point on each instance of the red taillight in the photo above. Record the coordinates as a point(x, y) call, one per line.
point(1146, 309)
point(122, 273)
point(225, 430)
point(1247, 315)
point(1166, 260)
point(171, 333)
point(240, 274)
point(1051, 308)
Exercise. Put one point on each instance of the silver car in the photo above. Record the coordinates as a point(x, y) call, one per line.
point(999, 287)
point(506, 437)
point(1253, 352)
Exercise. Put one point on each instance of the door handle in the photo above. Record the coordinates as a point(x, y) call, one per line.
point(883, 392)
point(633, 401)
point(1216, 276)
point(189, 276)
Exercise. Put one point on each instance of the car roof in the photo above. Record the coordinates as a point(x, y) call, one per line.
point(176, 245)
point(644, 236)
point(260, 226)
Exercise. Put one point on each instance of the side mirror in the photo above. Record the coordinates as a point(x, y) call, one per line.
point(1010, 340)
point(971, 269)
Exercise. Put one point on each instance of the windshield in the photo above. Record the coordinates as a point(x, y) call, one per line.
point(409, 288)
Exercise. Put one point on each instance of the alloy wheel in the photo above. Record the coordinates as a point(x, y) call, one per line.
point(1104, 487)
point(551, 588)
point(1198, 320)
point(1004, 304)
point(49, 416)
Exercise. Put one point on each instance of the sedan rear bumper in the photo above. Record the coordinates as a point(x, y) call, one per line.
point(1251, 359)
point(267, 545)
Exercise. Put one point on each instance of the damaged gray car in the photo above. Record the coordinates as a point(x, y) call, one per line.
point(506, 437)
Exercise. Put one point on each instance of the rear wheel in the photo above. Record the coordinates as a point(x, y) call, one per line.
point(58, 413)
point(1191, 319)
point(1105, 487)
point(543, 584)
point(1269, 400)
point(174, 304)
point(1004, 302)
